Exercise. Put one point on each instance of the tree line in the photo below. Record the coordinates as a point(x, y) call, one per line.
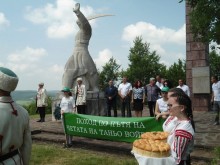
point(144, 64)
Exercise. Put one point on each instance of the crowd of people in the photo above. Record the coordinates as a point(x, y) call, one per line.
point(133, 96)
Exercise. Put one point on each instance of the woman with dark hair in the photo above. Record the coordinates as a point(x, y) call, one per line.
point(167, 83)
point(138, 97)
point(181, 138)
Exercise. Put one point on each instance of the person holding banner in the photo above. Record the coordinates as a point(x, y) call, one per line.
point(138, 97)
point(67, 105)
point(124, 91)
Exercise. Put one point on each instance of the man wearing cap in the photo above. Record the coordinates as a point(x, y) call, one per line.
point(15, 134)
point(41, 100)
point(67, 105)
point(80, 96)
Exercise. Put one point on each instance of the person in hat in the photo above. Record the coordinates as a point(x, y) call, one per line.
point(161, 109)
point(41, 100)
point(80, 93)
point(67, 105)
point(15, 134)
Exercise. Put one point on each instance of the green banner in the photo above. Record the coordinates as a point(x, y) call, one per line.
point(110, 128)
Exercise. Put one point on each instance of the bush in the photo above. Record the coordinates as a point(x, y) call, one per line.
point(32, 107)
point(216, 159)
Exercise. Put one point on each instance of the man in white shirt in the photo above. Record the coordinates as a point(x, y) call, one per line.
point(159, 82)
point(216, 97)
point(184, 87)
point(124, 92)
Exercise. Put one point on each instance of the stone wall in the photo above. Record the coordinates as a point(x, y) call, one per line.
point(196, 57)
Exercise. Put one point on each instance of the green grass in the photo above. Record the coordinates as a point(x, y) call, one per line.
point(51, 154)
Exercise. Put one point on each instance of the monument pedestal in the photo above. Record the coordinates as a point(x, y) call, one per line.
point(95, 103)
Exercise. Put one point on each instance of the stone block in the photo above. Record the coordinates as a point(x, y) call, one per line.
point(188, 74)
point(201, 79)
point(189, 64)
point(187, 47)
point(200, 108)
point(199, 63)
point(198, 46)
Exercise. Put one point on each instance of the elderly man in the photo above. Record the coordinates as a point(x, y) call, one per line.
point(80, 96)
point(15, 134)
point(41, 100)
point(152, 91)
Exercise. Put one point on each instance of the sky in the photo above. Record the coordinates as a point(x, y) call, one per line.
point(37, 36)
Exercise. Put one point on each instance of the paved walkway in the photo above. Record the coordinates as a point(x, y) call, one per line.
point(206, 137)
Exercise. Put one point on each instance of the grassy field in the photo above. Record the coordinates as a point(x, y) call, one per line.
point(51, 154)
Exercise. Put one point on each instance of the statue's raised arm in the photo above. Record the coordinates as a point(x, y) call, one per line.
point(82, 21)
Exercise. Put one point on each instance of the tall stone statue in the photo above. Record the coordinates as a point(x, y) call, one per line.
point(80, 64)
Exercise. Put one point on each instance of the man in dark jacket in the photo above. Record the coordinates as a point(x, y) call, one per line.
point(111, 94)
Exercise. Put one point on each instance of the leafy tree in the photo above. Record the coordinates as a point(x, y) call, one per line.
point(214, 60)
point(205, 20)
point(143, 63)
point(176, 71)
point(110, 71)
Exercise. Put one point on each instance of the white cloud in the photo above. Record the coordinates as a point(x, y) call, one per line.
point(27, 55)
point(3, 20)
point(30, 65)
point(168, 43)
point(103, 58)
point(59, 17)
point(25, 60)
point(154, 35)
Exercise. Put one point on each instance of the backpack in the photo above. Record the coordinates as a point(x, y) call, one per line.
point(57, 113)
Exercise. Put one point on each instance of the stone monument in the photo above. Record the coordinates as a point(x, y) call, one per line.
point(197, 68)
point(80, 64)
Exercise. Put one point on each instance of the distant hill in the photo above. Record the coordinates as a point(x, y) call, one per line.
point(28, 95)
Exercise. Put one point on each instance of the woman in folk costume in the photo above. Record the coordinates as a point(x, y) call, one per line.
point(15, 134)
point(181, 138)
